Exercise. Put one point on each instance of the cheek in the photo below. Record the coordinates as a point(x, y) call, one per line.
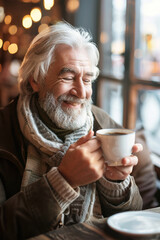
point(60, 89)
point(89, 92)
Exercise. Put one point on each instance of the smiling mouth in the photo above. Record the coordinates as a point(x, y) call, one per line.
point(73, 104)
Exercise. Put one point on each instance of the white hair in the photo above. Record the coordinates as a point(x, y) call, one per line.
point(40, 54)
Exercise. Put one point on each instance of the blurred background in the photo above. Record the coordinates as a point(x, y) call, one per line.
point(127, 34)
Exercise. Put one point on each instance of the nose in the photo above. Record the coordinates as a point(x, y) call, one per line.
point(79, 89)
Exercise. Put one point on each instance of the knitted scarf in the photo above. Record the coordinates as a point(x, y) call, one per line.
point(46, 150)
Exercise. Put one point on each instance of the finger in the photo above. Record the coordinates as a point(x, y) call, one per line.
point(137, 148)
point(118, 173)
point(98, 156)
point(93, 145)
point(83, 139)
point(128, 161)
point(115, 174)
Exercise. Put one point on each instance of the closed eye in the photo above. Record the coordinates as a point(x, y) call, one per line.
point(88, 81)
point(66, 78)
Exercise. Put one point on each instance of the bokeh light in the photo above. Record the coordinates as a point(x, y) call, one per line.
point(26, 1)
point(13, 48)
point(46, 19)
point(36, 14)
point(72, 5)
point(8, 19)
point(1, 43)
point(6, 45)
point(2, 14)
point(14, 67)
point(42, 27)
point(35, 1)
point(48, 4)
point(27, 21)
point(12, 29)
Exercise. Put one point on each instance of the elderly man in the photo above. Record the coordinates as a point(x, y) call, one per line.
point(52, 170)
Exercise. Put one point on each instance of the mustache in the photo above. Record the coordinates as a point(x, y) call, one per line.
point(73, 99)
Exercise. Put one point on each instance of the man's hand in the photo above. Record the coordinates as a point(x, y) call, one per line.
point(121, 172)
point(83, 162)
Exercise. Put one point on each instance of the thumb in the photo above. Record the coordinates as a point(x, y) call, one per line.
point(84, 139)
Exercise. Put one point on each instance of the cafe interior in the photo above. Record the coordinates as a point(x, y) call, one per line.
point(127, 35)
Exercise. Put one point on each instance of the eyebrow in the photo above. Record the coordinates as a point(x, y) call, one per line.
point(70, 70)
point(65, 70)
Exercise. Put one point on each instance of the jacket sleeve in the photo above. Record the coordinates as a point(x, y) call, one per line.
point(118, 197)
point(29, 213)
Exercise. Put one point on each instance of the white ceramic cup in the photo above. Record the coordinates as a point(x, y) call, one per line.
point(116, 144)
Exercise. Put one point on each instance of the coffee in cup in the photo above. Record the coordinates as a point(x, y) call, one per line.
point(116, 143)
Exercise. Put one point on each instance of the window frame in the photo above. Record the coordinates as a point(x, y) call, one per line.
point(130, 83)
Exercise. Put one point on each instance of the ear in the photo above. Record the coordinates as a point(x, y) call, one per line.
point(35, 86)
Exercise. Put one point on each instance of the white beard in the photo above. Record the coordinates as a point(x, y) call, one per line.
point(70, 119)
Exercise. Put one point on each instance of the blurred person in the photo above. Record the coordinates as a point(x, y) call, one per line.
point(52, 170)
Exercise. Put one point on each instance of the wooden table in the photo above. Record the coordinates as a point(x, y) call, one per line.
point(95, 230)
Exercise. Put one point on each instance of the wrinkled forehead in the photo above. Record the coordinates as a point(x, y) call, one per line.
point(73, 53)
point(78, 57)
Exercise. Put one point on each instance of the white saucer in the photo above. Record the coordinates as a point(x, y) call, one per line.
point(137, 223)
